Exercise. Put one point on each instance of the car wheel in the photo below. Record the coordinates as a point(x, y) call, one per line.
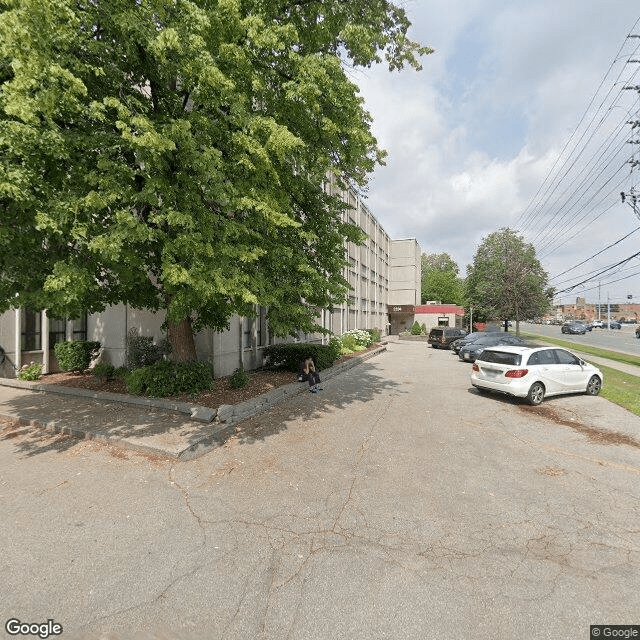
point(594, 385)
point(536, 394)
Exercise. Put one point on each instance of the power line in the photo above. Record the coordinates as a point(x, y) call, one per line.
point(526, 218)
point(522, 217)
point(613, 244)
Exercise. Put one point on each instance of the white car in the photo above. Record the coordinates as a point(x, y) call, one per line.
point(534, 373)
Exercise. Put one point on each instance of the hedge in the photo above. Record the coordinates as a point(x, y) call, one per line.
point(166, 378)
point(289, 356)
point(75, 355)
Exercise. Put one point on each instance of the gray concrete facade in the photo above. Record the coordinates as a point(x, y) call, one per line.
point(381, 272)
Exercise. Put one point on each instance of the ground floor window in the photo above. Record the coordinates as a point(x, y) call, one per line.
point(57, 331)
point(31, 322)
point(80, 328)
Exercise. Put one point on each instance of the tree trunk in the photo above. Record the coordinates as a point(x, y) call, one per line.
point(183, 346)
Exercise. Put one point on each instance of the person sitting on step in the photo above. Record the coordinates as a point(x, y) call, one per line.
point(308, 371)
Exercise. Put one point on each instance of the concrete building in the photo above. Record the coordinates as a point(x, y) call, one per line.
point(384, 274)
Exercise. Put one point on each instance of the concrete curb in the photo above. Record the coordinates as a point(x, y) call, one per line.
point(196, 412)
point(226, 416)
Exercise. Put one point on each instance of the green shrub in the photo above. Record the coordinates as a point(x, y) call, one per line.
point(239, 379)
point(104, 370)
point(75, 355)
point(349, 342)
point(375, 335)
point(423, 326)
point(289, 356)
point(142, 351)
point(416, 329)
point(30, 371)
point(165, 378)
point(335, 344)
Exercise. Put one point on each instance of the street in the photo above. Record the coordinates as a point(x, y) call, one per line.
point(395, 503)
point(623, 340)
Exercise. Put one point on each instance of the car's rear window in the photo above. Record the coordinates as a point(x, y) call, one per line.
point(500, 357)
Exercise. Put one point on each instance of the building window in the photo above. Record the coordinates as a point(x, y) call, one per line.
point(247, 330)
point(31, 339)
point(80, 328)
point(57, 331)
point(262, 327)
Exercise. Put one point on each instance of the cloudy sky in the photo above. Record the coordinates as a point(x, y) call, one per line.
point(518, 119)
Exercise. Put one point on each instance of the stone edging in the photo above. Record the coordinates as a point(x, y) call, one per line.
point(233, 413)
point(227, 414)
point(196, 412)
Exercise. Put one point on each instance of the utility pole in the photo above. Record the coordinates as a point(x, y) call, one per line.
point(630, 197)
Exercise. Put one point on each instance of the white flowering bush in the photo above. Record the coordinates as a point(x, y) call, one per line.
point(359, 336)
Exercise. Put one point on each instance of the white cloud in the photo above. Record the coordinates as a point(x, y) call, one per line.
point(472, 137)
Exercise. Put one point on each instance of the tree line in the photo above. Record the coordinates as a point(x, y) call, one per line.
point(505, 282)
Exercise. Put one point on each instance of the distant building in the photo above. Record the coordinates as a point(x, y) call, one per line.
point(583, 310)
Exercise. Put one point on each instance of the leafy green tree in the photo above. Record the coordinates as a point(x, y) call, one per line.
point(440, 279)
point(506, 279)
point(173, 155)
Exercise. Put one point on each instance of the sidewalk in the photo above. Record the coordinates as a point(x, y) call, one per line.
point(154, 426)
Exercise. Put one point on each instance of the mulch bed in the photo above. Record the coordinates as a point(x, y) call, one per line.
point(260, 382)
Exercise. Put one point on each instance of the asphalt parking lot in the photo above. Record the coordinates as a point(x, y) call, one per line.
point(397, 503)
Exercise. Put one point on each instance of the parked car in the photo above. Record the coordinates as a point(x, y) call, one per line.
point(575, 327)
point(456, 345)
point(614, 324)
point(471, 351)
point(442, 337)
point(534, 373)
point(597, 324)
point(638, 332)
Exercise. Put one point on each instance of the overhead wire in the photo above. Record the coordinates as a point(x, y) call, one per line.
point(595, 255)
point(573, 200)
point(523, 215)
point(525, 218)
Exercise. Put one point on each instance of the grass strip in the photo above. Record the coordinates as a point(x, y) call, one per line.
point(620, 388)
point(625, 358)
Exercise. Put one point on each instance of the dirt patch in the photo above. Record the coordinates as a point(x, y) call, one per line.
point(551, 471)
point(596, 436)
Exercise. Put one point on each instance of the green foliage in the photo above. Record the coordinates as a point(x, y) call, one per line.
point(440, 279)
point(142, 351)
point(289, 356)
point(104, 370)
point(165, 378)
point(416, 329)
point(506, 280)
point(349, 344)
point(30, 372)
point(173, 155)
point(335, 344)
point(75, 355)
point(375, 335)
point(239, 378)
